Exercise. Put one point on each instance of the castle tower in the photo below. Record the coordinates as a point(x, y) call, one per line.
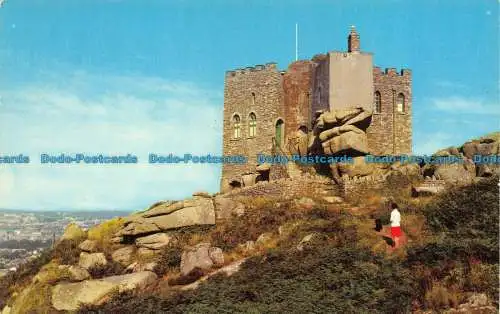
point(344, 79)
point(353, 41)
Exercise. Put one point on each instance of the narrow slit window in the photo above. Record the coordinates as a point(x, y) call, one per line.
point(237, 126)
point(252, 125)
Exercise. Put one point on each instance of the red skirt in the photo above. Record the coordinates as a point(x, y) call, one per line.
point(395, 231)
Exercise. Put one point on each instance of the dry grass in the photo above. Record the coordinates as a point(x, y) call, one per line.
point(51, 273)
point(34, 299)
point(441, 297)
point(103, 232)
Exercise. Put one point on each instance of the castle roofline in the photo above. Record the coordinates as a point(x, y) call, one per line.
point(350, 53)
point(259, 67)
point(392, 71)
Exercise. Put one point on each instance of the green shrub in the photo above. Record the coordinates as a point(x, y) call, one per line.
point(484, 278)
point(111, 268)
point(67, 252)
point(440, 297)
point(168, 259)
point(103, 232)
point(471, 211)
point(320, 279)
point(22, 276)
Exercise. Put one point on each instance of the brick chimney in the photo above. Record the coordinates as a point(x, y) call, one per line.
point(353, 43)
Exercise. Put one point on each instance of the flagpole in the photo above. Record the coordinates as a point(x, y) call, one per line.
point(296, 41)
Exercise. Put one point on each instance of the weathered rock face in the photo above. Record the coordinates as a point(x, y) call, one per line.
point(88, 246)
point(78, 273)
point(228, 270)
point(123, 255)
point(226, 207)
point(155, 241)
point(70, 296)
point(359, 168)
point(336, 132)
point(454, 173)
point(138, 267)
point(200, 256)
point(92, 260)
point(143, 252)
point(191, 212)
point(216, 255)
point(477, 303)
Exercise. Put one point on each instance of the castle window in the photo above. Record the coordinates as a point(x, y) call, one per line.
point(252, 125)
point(279, 133)
point(237, 126)
point(253, 99)
point(378, 102)
point(401, 103)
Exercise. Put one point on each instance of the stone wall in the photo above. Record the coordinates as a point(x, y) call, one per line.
point(390, 131)
point(285, 188)
point(351, 79)
point(297, 83)
point(255, 90)
point(321, 83)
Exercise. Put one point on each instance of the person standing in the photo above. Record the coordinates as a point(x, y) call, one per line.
point(395, 225)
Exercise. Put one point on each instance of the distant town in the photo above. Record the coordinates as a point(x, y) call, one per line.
point(25, 234)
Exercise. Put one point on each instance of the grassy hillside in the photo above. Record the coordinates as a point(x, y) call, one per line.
point(452, 251)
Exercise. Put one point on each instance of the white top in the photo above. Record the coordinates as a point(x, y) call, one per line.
point(395, 218)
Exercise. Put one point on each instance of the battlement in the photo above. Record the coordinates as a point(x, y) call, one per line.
point(391, 72)
point(259, 67)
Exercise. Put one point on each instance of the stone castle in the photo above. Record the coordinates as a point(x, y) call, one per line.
point(265, 108)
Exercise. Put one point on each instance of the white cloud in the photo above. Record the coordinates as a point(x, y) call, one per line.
point(109, 115)
point(461, 105)
point(429, 143)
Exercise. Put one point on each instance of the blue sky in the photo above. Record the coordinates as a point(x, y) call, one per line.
point(135, 76)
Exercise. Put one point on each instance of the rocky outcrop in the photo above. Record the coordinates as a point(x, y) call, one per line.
point(92, 260)
point(88, 246)
point(428, 187)
point(201, 256)
point(155, 241)
point(196, 211)
point(477, 303)
point(225, 207)
point(78, 273)
point(138, 267)
point(70, 296)
point(123, 255)
point(216, 255)
point(336, 132)
point(228, 270)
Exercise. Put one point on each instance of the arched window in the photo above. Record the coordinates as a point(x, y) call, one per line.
point(252, 125)
point(253, 99)
point(401, 103)
point(237, 126)
point(279, 132)
point(378, 102)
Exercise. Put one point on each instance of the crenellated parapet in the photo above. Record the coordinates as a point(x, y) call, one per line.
point(259, 67)
point(391, 72)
